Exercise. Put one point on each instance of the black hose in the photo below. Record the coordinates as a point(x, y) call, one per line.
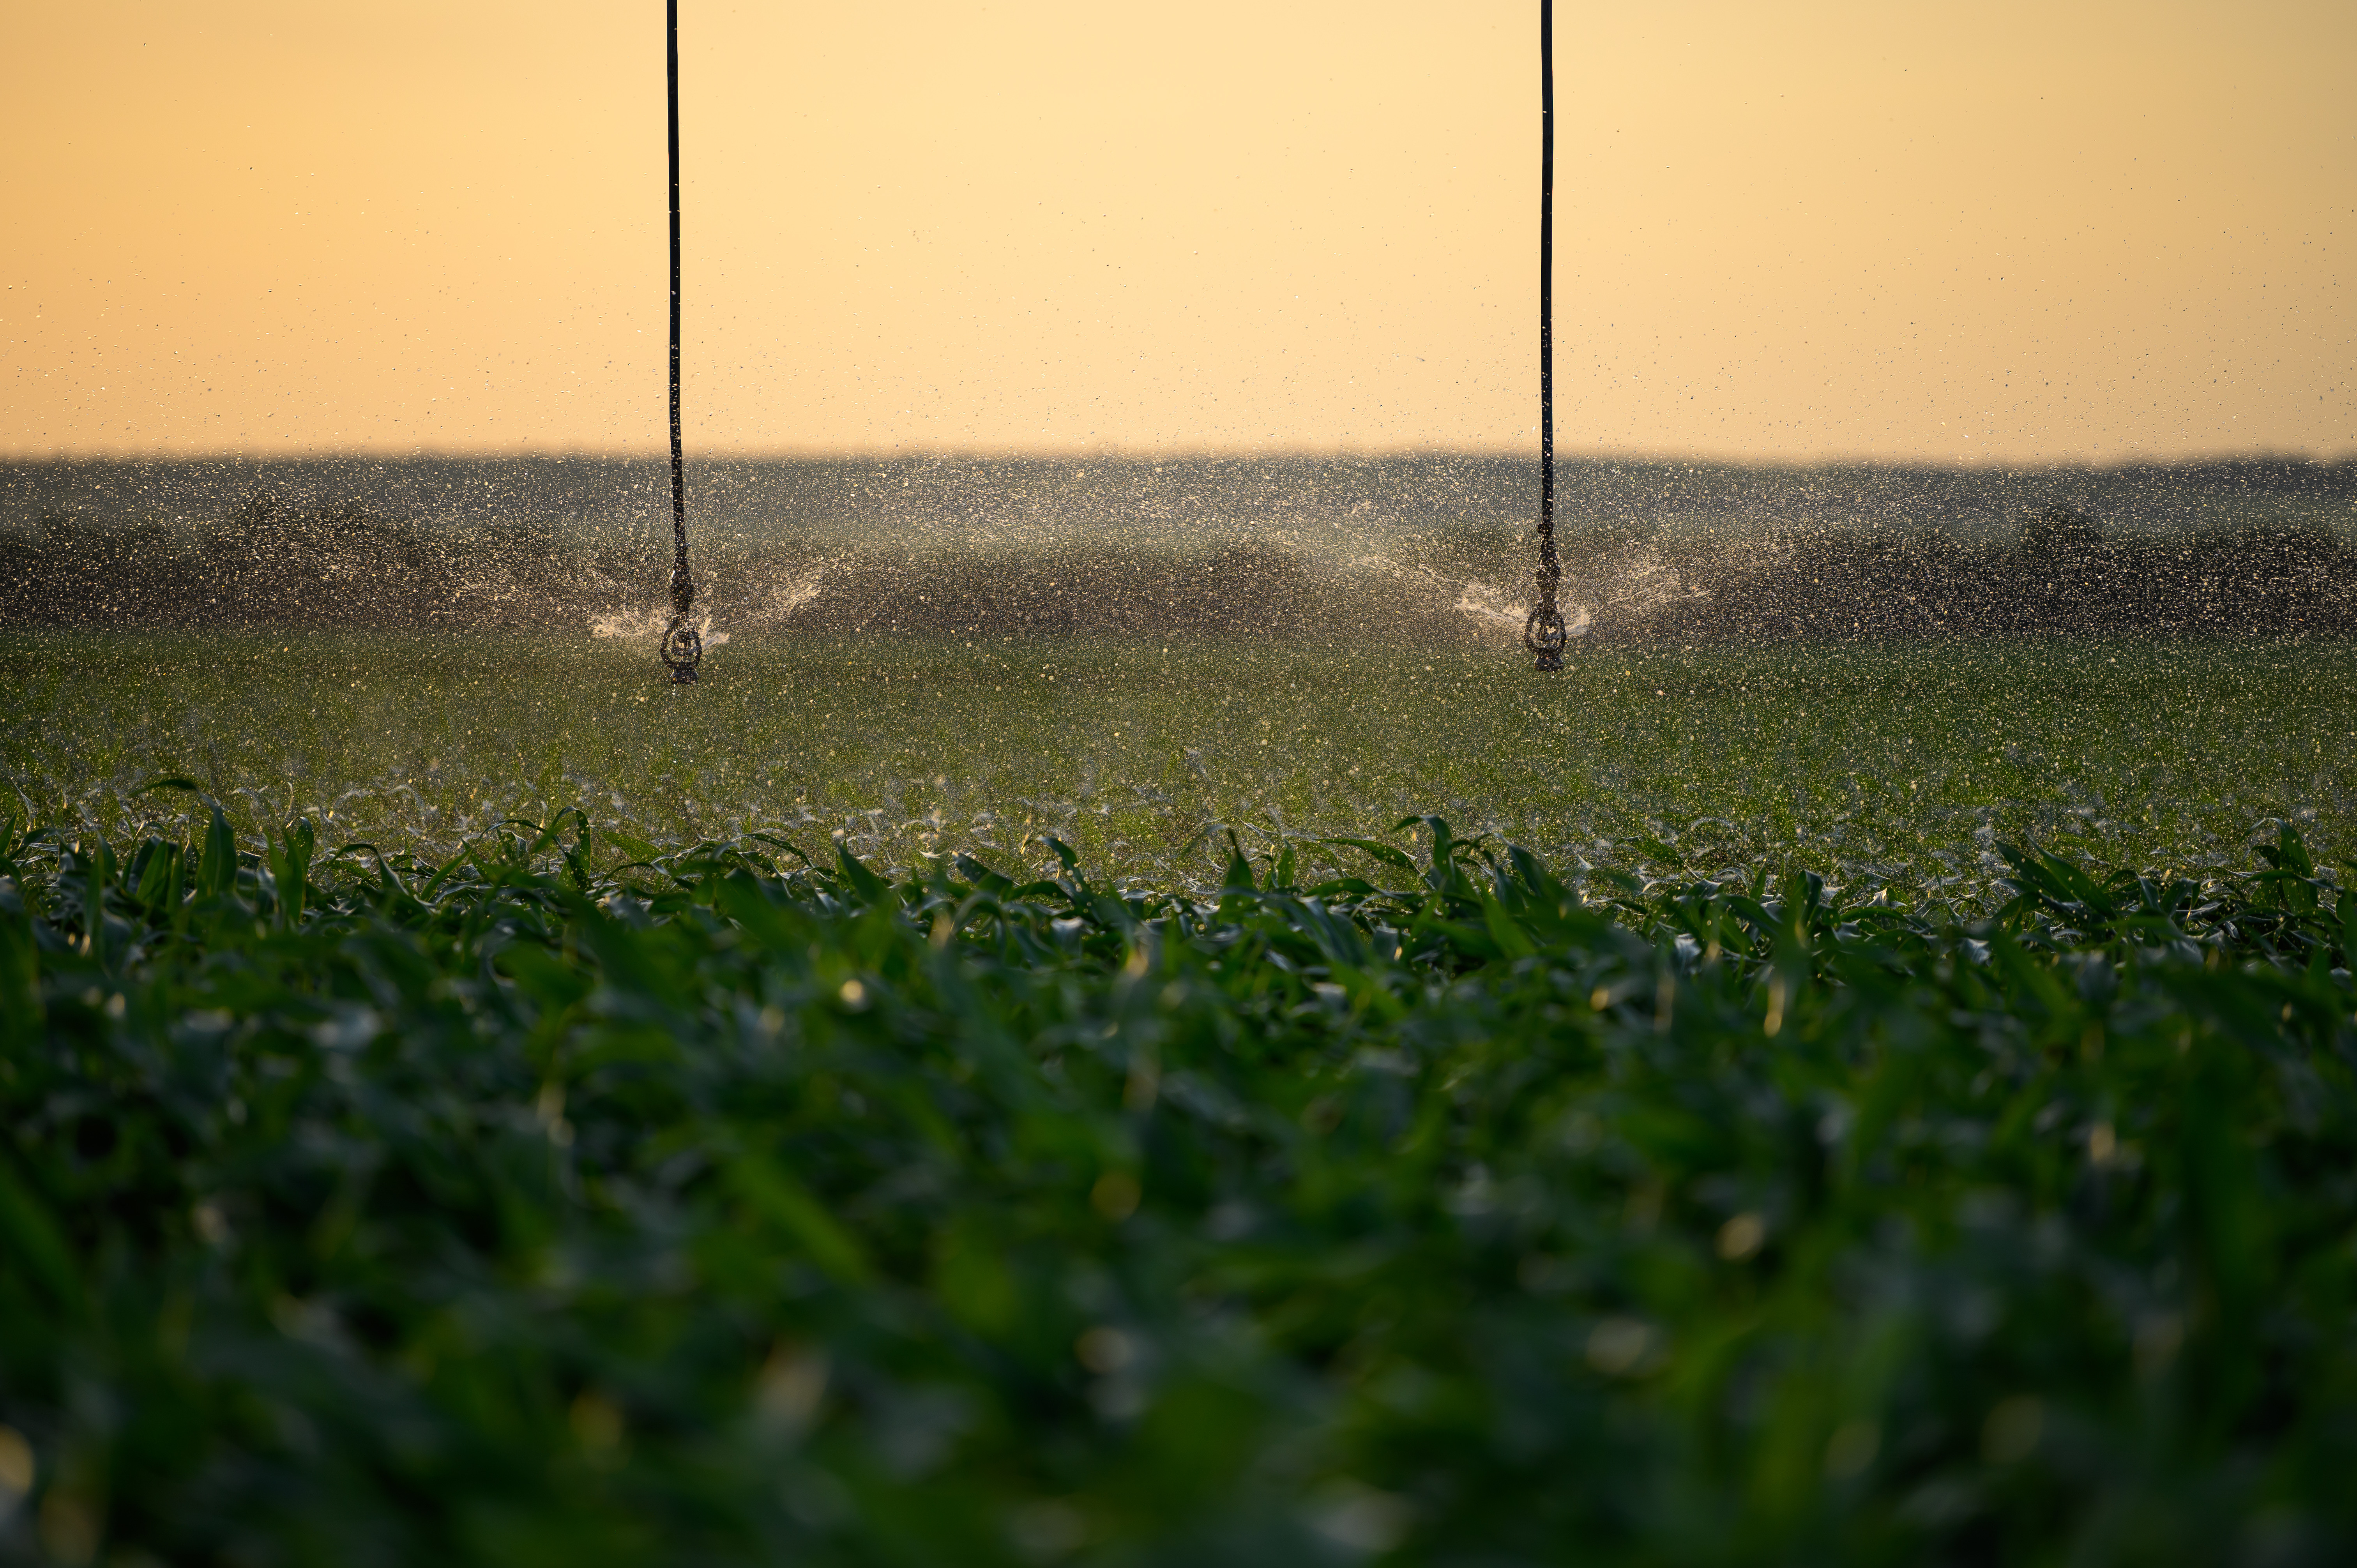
point(682, 649)
point(1544, 632)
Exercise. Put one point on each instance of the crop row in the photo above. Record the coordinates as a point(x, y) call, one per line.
point(570, 1200)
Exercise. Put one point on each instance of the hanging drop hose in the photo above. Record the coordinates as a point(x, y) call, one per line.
point(1544, 632)
point(682, 649)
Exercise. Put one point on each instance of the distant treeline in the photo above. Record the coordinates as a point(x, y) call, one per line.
point(759, 503)
point(1163, 554)
point(267, 562)
point(2061, 574)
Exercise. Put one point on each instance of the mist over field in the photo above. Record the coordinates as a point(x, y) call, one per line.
point(1428, 548)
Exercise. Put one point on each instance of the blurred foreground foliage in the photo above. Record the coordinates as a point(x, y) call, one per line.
point(723, 1207)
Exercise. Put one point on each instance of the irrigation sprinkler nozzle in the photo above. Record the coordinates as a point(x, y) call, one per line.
point(682, 649)
point(1544, 632)
point(683, 646)
point(1545, 635)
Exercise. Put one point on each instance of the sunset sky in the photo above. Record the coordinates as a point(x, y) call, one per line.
point(1998, 232)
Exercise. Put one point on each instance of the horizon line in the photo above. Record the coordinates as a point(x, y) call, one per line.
point(1640, 456)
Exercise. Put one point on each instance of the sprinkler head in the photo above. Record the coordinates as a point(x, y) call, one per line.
point(1545, 635)
point(682, 649)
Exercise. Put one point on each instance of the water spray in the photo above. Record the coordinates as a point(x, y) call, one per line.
point(682, 649)
point(1544, 632)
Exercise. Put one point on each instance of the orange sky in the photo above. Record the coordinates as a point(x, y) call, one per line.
point(2027, 231)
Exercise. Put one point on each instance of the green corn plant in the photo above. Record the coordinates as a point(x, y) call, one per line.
point(730, 1204)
